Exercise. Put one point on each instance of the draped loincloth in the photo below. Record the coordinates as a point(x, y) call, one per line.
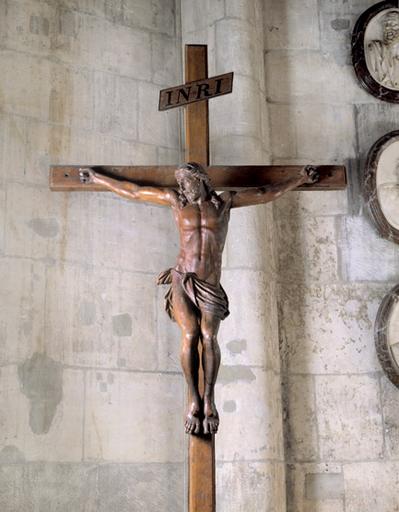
point(206, 297)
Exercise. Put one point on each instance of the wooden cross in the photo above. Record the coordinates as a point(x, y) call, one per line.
point(192, 94)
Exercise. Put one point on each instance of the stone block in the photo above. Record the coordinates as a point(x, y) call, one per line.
point(116, 106)
point(235, 149)
point(330, 329)
point(22, 296)
point(249, 335)
point(361, 250)
point(62, 487)
point(92, 234)
point(135, 417)
point(241, 9)
point(29, 26)
point(157, 16)
point(113, 151)
point(149, 487)
point(135, 60)
point(315, 488)
point(257, 251)
point(77, 36)
point(390, 402)
point(354, 431)
point(25, 83)
point(58, 487)
point(38, 229)
point(309, 132)
point(165, 60)
point(100, 317)
point(371, 486)
point(66, 105)
point(238, 49)
point(313, 242)
point(291, 77)
point(169, 156)
point(2, 217)
point(283, 130)
point(292, 25)
point(300, 424)
point(316, 139)
point(311, 204)
point(200, 14)
point(249, 401)
point(30, 407)
point(12, 147)
point(251, 485)
point(240, 118)
point(160, 128)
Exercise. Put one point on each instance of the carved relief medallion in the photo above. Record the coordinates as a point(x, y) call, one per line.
point(381, 185)
point(375, 50)
point(386, 332)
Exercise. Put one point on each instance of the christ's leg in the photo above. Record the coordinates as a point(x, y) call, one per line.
point(187, 320)
point(210, 363)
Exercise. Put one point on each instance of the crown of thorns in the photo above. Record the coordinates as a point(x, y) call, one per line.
point(192, 170)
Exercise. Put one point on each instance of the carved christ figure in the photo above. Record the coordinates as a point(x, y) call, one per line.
point(196, 299)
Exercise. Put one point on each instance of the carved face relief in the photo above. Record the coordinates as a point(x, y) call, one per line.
point(387, 181)
point(381, 185)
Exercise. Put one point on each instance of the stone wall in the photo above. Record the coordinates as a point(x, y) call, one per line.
point(340, 412)
point(91, 392)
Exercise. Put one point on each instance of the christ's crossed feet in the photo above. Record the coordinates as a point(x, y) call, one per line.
point(209, 417)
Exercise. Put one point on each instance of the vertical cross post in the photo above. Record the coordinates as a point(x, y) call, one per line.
point(201, 492)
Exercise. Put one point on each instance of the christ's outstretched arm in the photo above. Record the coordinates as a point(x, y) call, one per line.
point(129, 190)
point(253, 196)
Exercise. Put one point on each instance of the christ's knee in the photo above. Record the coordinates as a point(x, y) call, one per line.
point(190, 340)
point(210, 342)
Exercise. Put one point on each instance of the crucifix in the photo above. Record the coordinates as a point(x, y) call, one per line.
point(195, 298)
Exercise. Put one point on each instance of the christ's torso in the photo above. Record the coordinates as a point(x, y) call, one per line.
point(202, 229)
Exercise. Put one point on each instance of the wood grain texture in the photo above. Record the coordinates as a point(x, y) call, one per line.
point(332, 177)
point(202, 477)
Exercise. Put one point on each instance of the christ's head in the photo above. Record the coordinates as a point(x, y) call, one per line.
point(391, 28)
point(193, 181)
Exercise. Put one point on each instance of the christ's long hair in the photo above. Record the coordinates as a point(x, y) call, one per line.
point(197, 172)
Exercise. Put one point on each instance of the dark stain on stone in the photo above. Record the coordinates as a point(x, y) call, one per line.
point(10, 454)
point(229, 406)
point(41, 382)
point(122, 362)
point(69, 24)
point(39, 25)
point(237, 346)
point(340, 24)
point(122, 325)
point(110, 378)
point(87, 313)
point(228, 374)
point(103, 387)
point(47, 228)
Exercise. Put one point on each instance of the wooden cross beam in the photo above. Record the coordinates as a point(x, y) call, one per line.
point(66, 178)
